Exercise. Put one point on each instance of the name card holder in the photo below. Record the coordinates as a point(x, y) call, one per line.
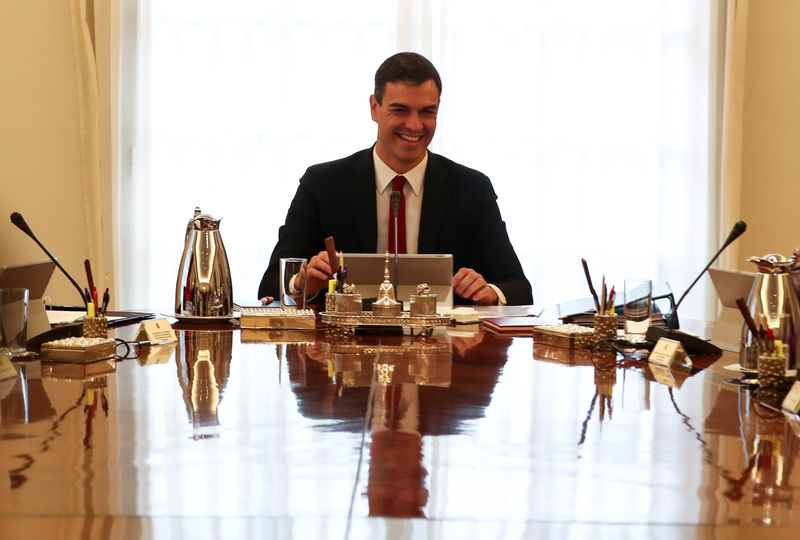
point(669, 353)
point(792, 400)
point(157, 332)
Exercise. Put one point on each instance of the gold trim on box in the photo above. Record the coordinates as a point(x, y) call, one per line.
point(366, 318)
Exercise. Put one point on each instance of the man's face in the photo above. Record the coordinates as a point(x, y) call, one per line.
point(406, 122)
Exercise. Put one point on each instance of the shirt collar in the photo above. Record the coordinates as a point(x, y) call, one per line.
point(384, 174)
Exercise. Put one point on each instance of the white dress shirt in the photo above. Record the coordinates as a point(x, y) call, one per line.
point(413, 189)
point(413, 194)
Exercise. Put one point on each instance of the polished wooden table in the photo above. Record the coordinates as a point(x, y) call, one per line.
point(232, 434)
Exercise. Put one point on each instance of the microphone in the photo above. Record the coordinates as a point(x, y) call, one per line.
point(19, 221)
point(395, 200)
point(671, 320)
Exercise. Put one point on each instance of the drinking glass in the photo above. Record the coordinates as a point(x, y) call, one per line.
point(638, 306)
point(293, 276)
point(13, 320)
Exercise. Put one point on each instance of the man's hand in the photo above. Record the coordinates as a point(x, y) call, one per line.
point(470, 285)
point(318, 272)
point(462, 345)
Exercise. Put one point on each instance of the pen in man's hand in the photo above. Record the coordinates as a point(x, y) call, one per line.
point(330, 246)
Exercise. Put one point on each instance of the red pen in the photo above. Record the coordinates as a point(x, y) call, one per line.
point(94, 296)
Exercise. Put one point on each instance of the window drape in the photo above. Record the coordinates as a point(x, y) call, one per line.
point(591, 119)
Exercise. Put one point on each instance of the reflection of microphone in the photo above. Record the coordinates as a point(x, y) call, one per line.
point(19, 221)
point(395, 199)
point(671, 320)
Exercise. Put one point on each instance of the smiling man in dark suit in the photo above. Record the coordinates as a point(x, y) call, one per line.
point(448, 208)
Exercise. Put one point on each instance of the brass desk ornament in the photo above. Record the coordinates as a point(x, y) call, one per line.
point(386, 305)
point(423, 303)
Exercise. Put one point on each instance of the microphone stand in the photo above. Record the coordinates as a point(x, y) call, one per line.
point(671, 320)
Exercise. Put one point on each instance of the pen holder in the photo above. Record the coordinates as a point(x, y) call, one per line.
point(771, 371)
point(348, 303)
point(95, 327)
point(330, 302)
point(605, 326)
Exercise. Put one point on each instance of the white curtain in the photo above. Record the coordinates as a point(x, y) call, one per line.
point(591, 118)
point(92, 46)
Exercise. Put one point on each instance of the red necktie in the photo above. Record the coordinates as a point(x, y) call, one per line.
point(397, 185)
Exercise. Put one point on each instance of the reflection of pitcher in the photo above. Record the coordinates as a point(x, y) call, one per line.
point(203, 361)
point(773, 304)
point(763, 488)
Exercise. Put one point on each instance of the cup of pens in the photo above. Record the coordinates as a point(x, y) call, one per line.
point(771, 371)
point(95, 324)
point(605, 325)
point(95, 327)
point(772, 362)
point(605, 319)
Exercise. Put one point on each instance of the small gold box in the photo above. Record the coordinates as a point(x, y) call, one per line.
point(277, 318)
point(80, 350)
point(560, 335)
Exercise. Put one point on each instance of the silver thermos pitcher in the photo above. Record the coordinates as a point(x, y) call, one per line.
point(772, 304)
point(204, 277)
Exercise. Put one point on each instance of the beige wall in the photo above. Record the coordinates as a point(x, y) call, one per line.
point(40, 166)
point(771, 130)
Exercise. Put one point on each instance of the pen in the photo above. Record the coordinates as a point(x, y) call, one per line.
point(106, 298)
point(611, 297)
point(88, 267)
point(748, 319)
point(591, 287)
point(603, 292)
point(330, 246)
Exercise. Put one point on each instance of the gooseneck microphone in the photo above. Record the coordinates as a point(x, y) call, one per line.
point(395, 200)
point(671, 320)
point(19, 221)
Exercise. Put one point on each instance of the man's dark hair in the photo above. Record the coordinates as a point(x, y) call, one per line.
point(408, 67)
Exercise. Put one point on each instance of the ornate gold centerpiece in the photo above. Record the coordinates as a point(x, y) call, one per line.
point(386, 305)
point(386, 310)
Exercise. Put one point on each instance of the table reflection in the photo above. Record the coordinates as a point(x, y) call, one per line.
point(460, 426)
point(203, 361)
point(758, 488)
point(398, 389)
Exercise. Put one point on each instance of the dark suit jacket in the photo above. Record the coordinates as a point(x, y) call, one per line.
point(459, 216)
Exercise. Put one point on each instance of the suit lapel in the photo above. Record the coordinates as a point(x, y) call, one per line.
point(361, 185)
point(434, 204)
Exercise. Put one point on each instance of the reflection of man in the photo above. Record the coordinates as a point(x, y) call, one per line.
point(447, 208)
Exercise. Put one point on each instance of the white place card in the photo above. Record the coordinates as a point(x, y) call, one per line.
point(792, 400)
point(157, 331)
point(668, 352)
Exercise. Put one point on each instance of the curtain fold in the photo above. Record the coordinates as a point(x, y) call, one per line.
point(592, 121)
point(732, 110)
point(96, 139)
